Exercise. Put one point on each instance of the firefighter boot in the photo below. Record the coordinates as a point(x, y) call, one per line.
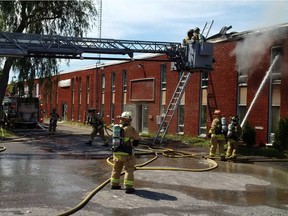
point(105, 144)
point(129, 190)
point(115, 187)
point(89, 142)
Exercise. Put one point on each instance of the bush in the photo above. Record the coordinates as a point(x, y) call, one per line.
point(249, 134)
point(281, 135)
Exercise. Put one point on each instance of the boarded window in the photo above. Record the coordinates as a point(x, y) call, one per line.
point(276, 95)
point(142, 90)
point(204, 96)
point(243, 95)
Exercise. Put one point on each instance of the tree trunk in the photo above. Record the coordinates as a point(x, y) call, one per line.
point(5, 77)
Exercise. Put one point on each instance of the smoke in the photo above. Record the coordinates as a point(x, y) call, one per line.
point(253, 47)
point(250, 51)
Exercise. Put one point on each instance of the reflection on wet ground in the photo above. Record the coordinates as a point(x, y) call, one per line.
point(59, 169)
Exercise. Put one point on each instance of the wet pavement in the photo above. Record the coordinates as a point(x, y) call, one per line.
point(50, 175)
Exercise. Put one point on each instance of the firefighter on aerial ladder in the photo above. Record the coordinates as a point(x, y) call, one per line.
point(188, 38)
point(123, 153)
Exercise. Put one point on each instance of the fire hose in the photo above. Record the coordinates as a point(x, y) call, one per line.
point(166, 152)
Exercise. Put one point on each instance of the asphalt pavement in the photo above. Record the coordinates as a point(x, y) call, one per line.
point(43, 174)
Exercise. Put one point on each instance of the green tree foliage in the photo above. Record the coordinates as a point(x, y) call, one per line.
point(281, 135)
point(66, 18)
point(249, 134)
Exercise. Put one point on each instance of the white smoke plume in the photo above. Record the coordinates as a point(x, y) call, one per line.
point(252, 48)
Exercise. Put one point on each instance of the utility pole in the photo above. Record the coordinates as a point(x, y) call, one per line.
point(99, 29)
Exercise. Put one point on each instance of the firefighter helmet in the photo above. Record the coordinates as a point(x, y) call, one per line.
point(197, 30)
point(91, 110)
point(126, 115)
point(235, 118)
point(191, 31)
point(217, 112)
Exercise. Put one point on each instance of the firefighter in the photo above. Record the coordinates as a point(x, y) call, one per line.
point(54, 116)
point(218, 138)
point(123, 155)
point(97, 122)
point(233, 136)
point(190, 34)
point(12, 115)
point(197, 36)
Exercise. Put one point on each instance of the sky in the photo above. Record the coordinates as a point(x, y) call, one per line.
point(169, 20)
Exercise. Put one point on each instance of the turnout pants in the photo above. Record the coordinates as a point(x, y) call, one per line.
point(95, 131)
point(232, 146)
point(123, 161)
point(219, 141)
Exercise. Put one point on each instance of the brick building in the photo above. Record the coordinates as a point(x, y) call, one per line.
point(146, 87)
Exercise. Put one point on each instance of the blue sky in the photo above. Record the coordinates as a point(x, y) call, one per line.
point(169, 20)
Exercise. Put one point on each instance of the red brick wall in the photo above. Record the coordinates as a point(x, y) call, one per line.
point(225, 82)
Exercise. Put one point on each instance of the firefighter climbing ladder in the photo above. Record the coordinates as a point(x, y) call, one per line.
point(172, 107)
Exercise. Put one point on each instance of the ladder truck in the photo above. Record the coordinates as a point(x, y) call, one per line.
point(195, 56)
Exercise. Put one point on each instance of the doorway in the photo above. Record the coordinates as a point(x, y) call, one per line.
point(64, 112)
point(143, 118)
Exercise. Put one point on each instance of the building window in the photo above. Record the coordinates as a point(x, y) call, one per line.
point(73, 98)
point(124, 84)
point(275, 93)
point(275, 106)
point(103, 92)
point(203, 104)
point(113, 97)
point(242, 101)
point(124, 80)
point(79, 97)
point(242, 94)
point(113, 82)
point(88, 90)
point(103, 83)
point(163, 73)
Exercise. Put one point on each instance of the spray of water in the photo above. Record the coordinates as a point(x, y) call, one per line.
point(275, 60)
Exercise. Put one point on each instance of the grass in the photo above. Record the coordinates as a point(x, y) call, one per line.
point(4, 133)
point(205, 143)
point(262, 151)
point(189, 140)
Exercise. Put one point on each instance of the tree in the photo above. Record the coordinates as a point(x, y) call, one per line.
point(281, 136)
point(249, 134)
point(66, 18)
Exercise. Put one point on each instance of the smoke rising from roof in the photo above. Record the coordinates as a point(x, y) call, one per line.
point(252, 48)
point(250, 51)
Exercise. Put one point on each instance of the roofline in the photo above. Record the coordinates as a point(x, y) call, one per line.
point(234, 36)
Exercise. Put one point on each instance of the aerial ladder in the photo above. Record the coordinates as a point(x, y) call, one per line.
point(196, 56)
point(194, 62)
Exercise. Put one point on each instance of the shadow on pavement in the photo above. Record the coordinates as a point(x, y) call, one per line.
point(154, 195)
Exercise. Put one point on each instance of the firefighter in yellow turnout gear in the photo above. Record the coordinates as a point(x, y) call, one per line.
point(97, 122)
point(123, 154)
point(217, 135)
